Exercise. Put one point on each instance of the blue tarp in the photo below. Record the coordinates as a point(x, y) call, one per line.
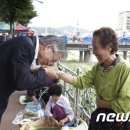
point(87, 40)
point(64, 39)
point(124, 39)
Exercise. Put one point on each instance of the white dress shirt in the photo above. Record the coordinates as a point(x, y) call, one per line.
point(34, 65)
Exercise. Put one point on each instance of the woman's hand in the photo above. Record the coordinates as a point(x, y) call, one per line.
point(102, 103)
point(54, 73)
point(64, 76)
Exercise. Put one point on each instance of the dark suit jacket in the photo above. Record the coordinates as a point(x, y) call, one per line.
point(16, 56)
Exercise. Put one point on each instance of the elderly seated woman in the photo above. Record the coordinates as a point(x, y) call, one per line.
point(58, 108)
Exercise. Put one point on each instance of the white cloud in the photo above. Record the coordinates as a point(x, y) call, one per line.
point(91, 14)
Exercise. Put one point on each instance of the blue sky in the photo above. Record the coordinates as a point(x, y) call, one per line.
point(90, 14)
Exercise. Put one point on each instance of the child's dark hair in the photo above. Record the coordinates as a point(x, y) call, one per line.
point(55, 89)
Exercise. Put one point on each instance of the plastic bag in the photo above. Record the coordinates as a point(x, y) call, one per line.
point(31, 112)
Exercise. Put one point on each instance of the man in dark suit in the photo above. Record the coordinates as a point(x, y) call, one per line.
point(16, 57)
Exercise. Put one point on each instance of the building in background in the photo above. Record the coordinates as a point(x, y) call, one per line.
point(124, 23)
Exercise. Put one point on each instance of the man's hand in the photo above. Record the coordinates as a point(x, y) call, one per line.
point(102, 103)
point(50, 72)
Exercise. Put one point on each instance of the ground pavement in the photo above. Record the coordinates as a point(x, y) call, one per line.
point(13, 108)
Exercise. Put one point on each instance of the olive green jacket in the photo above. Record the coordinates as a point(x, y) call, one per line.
point(112, 84)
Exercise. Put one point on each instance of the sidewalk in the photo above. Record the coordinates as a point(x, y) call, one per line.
point(13, 108)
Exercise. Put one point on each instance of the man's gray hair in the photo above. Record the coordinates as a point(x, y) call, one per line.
point(57, 44)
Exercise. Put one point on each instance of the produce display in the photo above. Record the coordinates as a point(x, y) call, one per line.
point(24, 99)
point(43, 124)
point(29, 114)
point(28, 99)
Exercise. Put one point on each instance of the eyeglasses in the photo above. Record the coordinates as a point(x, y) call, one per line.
point(49, 62)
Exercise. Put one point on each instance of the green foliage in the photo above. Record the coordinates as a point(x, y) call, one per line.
point(20, 11)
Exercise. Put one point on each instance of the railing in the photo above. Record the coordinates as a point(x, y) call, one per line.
point(77, 96)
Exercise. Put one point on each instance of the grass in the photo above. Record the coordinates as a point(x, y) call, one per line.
point(74, 65)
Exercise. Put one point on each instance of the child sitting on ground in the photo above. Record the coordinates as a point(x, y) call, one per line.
point(58, 108)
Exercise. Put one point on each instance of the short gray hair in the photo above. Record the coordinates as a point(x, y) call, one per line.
point(57, 44)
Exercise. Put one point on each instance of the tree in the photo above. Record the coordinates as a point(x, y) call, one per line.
point(28, 14)
point(19, 11)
